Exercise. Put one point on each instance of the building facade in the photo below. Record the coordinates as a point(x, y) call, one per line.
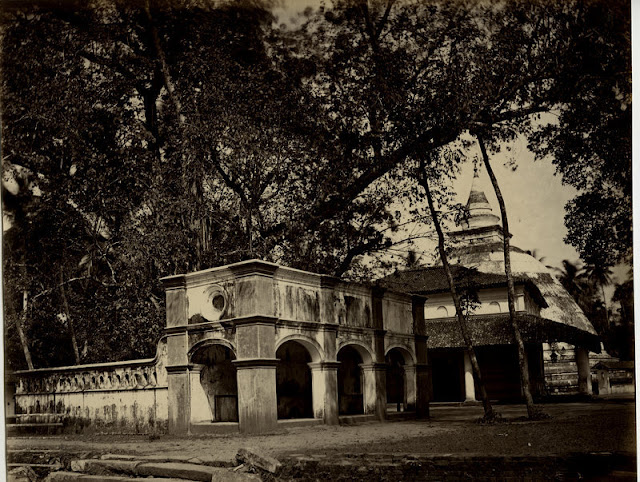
point(557, 334)
point(246, 347)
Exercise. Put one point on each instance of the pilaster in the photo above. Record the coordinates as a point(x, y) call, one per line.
point(469, 385)
point(201, 411)
point(375, 389)
point(179, 399)
point(325, 391)
point(584, 371)
point(256, 374)
point(410, 387)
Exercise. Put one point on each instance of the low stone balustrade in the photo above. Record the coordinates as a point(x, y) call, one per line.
point(129, 396)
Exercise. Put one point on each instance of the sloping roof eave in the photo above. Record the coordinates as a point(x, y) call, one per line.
point(496, 330)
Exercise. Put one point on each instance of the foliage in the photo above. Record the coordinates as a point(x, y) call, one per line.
point(590, 142)
point(586, 285)
point(152, 138)
point(623, 332)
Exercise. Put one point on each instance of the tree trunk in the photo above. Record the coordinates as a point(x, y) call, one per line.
point(168, 81)
point(511, 294)
point(67, 313)
point(188, 178)
point(462, 322)
point(19, 325)
point(606, 310)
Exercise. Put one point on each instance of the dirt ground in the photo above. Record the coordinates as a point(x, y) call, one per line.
point(574, 427)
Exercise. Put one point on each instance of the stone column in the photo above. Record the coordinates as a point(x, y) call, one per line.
point(179, 393)
point(179, 405)
point(469, 385)
point(410, 387)
point(423, 370)
point(325, 391)
point(201, 411)
point(584, 371)
point(256, 374)
point(375, 393)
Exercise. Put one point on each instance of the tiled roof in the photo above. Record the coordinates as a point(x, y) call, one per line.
point(434, 280)
point(496, 330)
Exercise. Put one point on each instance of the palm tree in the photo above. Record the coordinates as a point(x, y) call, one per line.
point(572, 277)
point(579, 281)
point(599, 274)
point(624, 295)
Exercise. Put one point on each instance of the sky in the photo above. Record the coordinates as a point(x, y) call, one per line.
point(534, 198)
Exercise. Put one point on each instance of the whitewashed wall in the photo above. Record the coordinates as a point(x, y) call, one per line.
point(123, 397)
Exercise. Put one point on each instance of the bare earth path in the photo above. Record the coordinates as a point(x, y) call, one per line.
point(575, 427)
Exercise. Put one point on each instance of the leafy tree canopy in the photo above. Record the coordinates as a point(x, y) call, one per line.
point(151, 137)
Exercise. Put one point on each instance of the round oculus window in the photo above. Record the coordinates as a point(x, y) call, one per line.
point(216, 301)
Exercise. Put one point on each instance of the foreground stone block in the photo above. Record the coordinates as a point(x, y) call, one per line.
point(263, 462)
point(201, 460)
point(95, 466)
point(22, 474)
point(75, 476)
point(231, 476)
point(180, 470)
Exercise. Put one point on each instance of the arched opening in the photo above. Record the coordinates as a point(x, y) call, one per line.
point(293, 381)
point(219, 383)
point(396, 381)
point(442, 312)
point(350, 391)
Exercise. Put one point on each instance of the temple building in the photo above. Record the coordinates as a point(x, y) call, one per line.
point(558, 336)
point(253, 345)
point(249, 347)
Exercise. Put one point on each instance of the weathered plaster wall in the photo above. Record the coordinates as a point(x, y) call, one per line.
point(123, 397)
point(492, 300)
point(397, 314)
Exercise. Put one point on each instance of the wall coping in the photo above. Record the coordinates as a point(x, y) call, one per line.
point(96, 366)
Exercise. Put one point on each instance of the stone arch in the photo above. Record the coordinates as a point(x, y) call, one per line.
point(442, 312)
point(409, 357)
point(352, 355)
point(494, 307)
point(210, 342)
point(213, 382)
point(294, 384)
point(363, 350)
point(312, 346)
point(400, 378)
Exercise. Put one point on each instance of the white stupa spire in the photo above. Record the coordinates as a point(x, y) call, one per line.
point(480, 212)
point(483, 225)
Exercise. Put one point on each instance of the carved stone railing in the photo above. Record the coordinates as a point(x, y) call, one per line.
point(129, 375)
point(128, 395)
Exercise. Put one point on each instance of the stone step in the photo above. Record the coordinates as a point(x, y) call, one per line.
point(76, 476)
point(39, 417)
point(50, 428)
point(176, 470)
point(355, 419)
point(200, 460)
